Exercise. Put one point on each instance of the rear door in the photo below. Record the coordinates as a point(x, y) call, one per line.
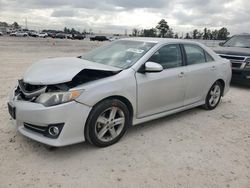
point(201, 72)
point(162, 91)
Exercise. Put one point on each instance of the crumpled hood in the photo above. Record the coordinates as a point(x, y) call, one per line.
point(60, 70)
point(232, 51)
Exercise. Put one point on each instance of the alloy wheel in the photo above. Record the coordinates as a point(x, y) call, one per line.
point(109, 124)
point(215, 94)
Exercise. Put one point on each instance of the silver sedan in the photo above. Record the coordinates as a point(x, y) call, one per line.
point(96, 97)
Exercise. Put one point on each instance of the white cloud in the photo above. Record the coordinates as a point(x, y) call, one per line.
point(118, 15)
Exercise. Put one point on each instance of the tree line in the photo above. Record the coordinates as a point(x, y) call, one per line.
point(15, 25)
point(163, 30)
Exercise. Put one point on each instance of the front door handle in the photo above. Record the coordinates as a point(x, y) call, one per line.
point(181, 75)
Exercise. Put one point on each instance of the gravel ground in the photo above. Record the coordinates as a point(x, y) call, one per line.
point(195, 148)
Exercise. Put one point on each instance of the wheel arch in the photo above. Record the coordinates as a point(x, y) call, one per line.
point(118, 97)
point(122, 99)
point(222, 82)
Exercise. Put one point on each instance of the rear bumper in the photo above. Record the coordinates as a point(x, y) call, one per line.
point(241, 77)
point(72, 115)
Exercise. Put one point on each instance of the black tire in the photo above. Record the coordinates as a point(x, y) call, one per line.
point(91, 134)
point(208, 105)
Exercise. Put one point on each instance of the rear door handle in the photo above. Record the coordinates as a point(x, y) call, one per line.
point(181, 75)
point(213, 68)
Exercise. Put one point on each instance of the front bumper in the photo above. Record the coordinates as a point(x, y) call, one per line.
point(241, 76)
point(73, 115)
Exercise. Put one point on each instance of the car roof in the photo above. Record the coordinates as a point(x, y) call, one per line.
point(243, 34)
point(160, 40)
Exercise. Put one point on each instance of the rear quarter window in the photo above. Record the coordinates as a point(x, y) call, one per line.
point(195, 54)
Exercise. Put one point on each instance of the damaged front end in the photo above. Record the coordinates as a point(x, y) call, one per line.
point(54, 94)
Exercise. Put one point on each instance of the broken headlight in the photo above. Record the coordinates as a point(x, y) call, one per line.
point(55, 98)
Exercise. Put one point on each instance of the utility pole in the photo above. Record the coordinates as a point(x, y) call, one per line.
point(26, 24)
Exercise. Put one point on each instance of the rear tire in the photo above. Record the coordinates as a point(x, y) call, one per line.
point(107, 123)
point(214, 96)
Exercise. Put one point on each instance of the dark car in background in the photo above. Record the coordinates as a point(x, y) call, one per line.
point(52, 35)
point(99, 38)
point(237, 50)
point(61, 36)
point(78, 36)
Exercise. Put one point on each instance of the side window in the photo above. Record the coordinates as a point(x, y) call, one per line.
point(168, 56)
point(208, 57)
point(195, 54)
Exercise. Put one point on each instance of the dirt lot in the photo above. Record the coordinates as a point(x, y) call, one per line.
point(195, 148)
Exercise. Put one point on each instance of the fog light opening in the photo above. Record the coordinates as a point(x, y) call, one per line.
point(54, 131)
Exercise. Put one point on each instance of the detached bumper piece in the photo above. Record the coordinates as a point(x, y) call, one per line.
point(12, 111)
point(241, 77)
point(50, 131)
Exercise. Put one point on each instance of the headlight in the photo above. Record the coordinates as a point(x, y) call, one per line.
point(247, 63)
point(55, 98)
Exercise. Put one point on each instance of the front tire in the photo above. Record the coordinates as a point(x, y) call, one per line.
point(107, 123)
point(214, 96)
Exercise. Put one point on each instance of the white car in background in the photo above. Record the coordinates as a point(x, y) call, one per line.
point(19, 34)
point(42, 35)
point(98, 96)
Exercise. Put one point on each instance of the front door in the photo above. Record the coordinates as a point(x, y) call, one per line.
point(162, 91)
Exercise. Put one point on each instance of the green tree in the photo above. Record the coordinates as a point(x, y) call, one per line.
point(187, 36)
point(205, 34)
point(176, 36)
point(16, 25)
point(135, 32)
point(223, 34)
point(66, 30)
point(3, 24)
point(163, 28)
point(195, 34)
point(214, 34)
point(149, 32)
point(170, 33)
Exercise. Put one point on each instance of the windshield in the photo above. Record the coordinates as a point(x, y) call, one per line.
point(238, 41)
point(121, 54)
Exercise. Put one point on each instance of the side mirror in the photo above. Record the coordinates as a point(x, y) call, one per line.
point(221, 43)
point(152, 67)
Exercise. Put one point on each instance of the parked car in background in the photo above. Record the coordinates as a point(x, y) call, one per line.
point(42, 35)
point(237, 50)
point(52, 35)
point(124, 83)
point(19, 34)
point(113, 38)
point(61, 35)
point(1, 34)
point(78, 36)
point(33, 33)
point(99, 38)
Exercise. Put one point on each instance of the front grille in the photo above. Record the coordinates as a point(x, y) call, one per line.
point(238, 62)
point(28, 91)
point(233, 58)
point(29, 87)
point(236, 65)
